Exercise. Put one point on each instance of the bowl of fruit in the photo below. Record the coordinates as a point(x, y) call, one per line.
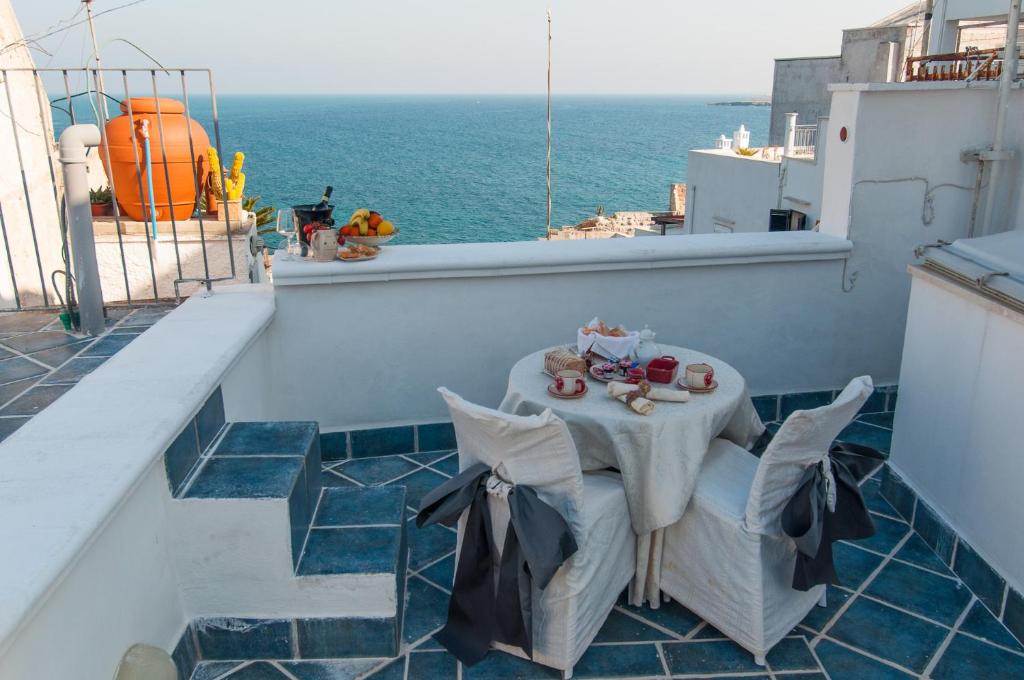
point(368, 228)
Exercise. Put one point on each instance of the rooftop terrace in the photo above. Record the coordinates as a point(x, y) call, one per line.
point(256, 518)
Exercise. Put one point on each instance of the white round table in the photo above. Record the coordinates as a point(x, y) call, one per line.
point(659, 455)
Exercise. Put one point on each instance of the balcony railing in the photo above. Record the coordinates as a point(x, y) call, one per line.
point(966, 65)
point(137, 261)
point(805, 138)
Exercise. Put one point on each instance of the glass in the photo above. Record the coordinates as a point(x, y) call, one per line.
point(285, 228)
point(285, 222)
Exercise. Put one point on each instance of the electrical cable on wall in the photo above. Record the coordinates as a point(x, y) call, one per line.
point(927, 211)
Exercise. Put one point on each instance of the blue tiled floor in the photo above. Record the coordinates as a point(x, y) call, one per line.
point(39, 361)
point(899, 613)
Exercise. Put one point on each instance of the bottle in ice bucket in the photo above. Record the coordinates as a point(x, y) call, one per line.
point(325, 199)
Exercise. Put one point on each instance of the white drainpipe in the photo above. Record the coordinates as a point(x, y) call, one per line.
point(1006, 79)
point(73, 143)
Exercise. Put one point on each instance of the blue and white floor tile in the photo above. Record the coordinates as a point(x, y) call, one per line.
point(900, 613)
point(39, 361)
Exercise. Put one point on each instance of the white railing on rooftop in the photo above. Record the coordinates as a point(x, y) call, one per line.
point(805, 137)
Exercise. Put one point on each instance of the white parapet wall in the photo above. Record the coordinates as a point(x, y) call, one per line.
point(166, 256)
point(85, 523)
point(958, 431)
point(365, 344)
point(901, 161)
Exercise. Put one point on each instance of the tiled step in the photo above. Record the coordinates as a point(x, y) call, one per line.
point(269, 460)
point(387, 441)
point(296, 572)
point(356, 531)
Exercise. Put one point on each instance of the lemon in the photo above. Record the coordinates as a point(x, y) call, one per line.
point(385, 228)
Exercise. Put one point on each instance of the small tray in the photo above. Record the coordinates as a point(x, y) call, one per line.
point(597, 374)
point(358, 259)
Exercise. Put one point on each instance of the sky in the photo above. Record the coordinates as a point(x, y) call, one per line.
point(459, 46)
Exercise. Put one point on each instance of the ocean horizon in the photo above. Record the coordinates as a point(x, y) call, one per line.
point(465, 167)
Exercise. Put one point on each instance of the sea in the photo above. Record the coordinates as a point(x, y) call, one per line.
point(455, 169)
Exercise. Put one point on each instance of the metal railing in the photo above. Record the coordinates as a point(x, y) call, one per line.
point(32, 211)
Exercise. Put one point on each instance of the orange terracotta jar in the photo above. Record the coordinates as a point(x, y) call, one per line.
point(180, 163)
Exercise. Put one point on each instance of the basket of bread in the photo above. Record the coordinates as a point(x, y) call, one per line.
point(607, 341)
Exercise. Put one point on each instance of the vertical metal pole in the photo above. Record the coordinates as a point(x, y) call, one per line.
point(167, 174)
point(1006, 78)
point(100, 89)
point(61, 219)
point(548, 232)
point(220, 154)
point(10, 260)
point(49, 158)
point(929, 6)
point(24, 185)
point(138, 177)
point(67, 96)
point(195, 175)
point(113, 194)
point(73, 142)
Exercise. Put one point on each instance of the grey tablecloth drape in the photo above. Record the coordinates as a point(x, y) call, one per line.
point(658, 455)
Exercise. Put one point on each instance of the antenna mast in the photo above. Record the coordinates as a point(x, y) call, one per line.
point(96, 56)
point(549, 126)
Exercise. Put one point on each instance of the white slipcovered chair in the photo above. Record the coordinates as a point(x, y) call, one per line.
point(538, 451)
point(728, 559)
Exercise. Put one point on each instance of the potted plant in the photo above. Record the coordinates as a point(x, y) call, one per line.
point(101, 202)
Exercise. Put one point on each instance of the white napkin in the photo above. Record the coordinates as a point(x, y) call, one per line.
point(618, 389)
point(607, 345)
point(642, 406)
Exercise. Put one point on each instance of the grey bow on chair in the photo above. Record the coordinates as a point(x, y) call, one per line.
point(538, 541)
point(828, 507)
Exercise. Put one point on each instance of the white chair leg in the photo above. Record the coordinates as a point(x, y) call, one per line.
point(567, 674)
point(665, 597)
point(759, 659)
point(823, 600)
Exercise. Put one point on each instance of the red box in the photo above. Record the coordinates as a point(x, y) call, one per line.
point(662, 369)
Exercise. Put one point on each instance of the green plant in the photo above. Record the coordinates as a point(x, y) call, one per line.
point(102, 195)
point(745, 151)
point(264, 215)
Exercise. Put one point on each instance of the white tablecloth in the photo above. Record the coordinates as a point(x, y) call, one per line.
point(659, 455)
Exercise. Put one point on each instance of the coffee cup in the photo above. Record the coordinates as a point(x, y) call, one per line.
point(700, 376)
point(569, 382)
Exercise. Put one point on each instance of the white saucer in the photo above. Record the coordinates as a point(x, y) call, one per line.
point(681, 384)
point(558, 395)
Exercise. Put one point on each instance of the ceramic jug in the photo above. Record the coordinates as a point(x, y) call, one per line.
point(323, 246)
point(646, 349)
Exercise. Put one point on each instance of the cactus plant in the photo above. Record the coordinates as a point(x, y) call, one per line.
point(235, 181)
point(215, 187)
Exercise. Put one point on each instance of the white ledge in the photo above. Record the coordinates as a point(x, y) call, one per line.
point(536, 257)
point(65, 472)
point(920, 86)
